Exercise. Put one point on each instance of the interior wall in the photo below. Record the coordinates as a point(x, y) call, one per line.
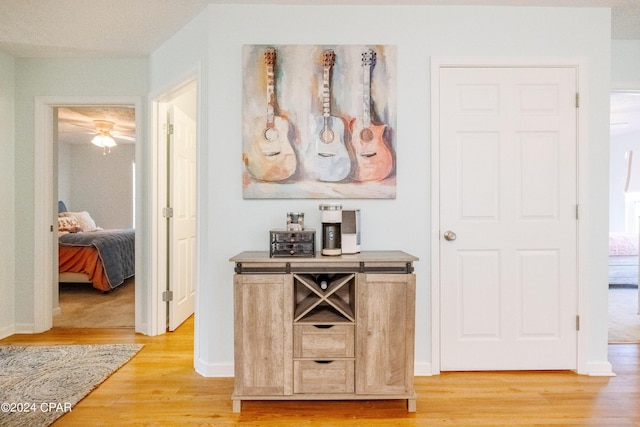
point(625, 75)
point(7, 189)
point(101, 184)
point(64, 172)
point(55, 77)
point(620, 146)
point(625, 64)
point(229, 224)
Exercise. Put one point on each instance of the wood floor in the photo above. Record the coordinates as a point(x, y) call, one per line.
point(159, 387)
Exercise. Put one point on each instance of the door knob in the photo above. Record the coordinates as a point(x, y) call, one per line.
point(450, 236)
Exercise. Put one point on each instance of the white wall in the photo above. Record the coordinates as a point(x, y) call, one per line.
point(419, 32)
point(55, 77)
point(625, 74)
point(101, 184)
point(8, 194)
point(64, 172)
point(625, 64)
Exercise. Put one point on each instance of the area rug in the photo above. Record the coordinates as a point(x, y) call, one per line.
point(624, 321)
point(39, 384)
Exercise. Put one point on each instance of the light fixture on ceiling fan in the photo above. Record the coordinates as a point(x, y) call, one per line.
point(103, 138)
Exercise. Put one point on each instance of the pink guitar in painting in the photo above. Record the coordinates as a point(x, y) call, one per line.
point(374, 160)
point(270, 156)
point(327, 158)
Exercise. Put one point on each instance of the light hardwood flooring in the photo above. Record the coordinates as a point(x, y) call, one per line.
point(159, 387)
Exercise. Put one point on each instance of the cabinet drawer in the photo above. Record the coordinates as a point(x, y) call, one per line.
point(292, 249)
point(293, 237)
point(323, 341)
point(325, 376)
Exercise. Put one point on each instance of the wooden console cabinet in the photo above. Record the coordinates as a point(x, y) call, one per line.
point(324, 328)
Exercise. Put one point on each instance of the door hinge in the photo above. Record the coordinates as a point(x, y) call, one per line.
point(167, 212)
point(577, 323)
point(168, 128)
point(167, 296)
point(577, 211)
point(577, 99)
point(51, 228)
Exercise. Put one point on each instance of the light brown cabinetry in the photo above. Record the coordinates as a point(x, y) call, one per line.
point(263, 351)
point(330, 328)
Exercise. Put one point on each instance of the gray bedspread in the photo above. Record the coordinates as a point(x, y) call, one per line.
point(115, 247)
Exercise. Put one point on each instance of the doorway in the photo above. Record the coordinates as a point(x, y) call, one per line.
point(624, 214)
point(534, 283)
point(95, 164)
point(46, 211)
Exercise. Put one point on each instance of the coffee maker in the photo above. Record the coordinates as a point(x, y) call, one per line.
point(331, 218)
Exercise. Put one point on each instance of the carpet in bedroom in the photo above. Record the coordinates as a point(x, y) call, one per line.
point(624, 322)
point(83, 306)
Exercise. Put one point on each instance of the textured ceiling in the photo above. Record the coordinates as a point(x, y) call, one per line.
point(76, 124)
point(125, 28)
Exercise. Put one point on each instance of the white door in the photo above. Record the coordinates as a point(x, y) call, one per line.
point(508, 197)
point(182, 224)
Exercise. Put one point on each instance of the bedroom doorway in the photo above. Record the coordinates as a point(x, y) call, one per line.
point(624, 216)
point(97, 180)
point(45, 269)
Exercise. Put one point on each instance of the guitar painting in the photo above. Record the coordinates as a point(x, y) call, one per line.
point(373, 157)
point(327, 158)
point(270, 156)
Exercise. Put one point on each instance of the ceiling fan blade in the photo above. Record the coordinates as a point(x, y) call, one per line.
point(73, 125)
point(124, 137)
point(118, 135)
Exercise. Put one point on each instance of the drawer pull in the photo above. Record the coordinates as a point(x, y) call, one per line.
point(323, 326)
point(324, 362)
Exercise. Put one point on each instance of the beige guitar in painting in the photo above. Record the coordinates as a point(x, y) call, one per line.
point(374, 160)
point(270, 156)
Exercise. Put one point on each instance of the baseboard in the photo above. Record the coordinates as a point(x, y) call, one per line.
point(422, 369)
point(25, 328)
point(7, 331)
point(600, 369)
point(215, 370)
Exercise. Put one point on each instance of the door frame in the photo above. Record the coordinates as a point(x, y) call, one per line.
point(158, 187)
point(438, 63)
point(45, 208)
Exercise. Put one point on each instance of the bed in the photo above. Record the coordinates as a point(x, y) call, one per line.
point(87, 253)
point(623, 259)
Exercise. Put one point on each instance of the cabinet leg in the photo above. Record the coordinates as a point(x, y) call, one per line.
point(411, 405)
point(237, 405)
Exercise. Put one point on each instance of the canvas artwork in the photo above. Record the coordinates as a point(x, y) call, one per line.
point(319, 121)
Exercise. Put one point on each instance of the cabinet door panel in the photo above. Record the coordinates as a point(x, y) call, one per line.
point(263, 334)
point(385, 333)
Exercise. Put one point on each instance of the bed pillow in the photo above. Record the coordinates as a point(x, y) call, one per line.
point(85, 222)
point(68, 224)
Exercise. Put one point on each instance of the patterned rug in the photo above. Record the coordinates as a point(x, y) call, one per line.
point(39, 384)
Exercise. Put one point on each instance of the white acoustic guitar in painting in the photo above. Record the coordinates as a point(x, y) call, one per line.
point(270, 156)
point(327, 158)
point(373, 157)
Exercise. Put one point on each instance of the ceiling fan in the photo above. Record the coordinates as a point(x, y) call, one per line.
point(110, 125)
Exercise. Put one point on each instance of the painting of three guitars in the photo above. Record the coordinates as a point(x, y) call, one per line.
point(330, 119)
